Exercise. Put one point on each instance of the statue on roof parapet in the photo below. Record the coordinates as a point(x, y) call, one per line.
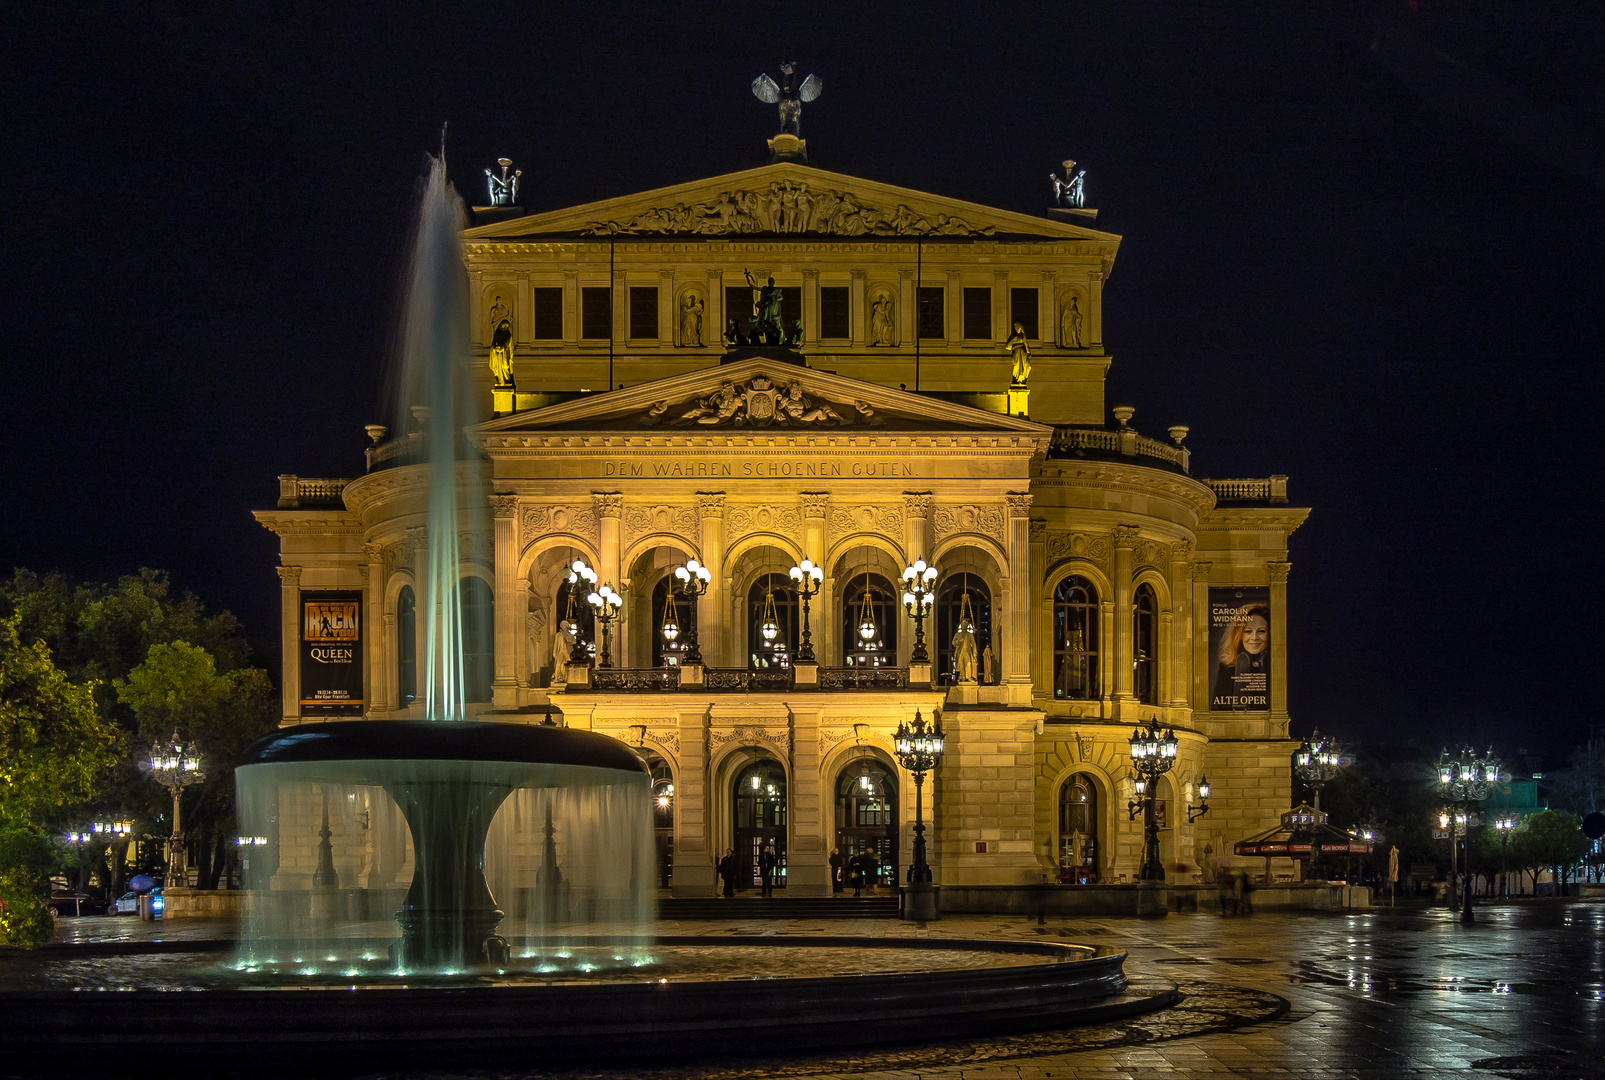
point(504, 188)
point(789, 144)
point(1069, 192)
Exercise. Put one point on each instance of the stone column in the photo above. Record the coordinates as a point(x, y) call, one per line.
point(907, 312)
point(860, 309)
point(1002, 306)
point(714, 631)
point(1041, 649)
point(694, 857)
point(1093, 326)
point(376, 695)
point(1016, 673)
point(1179, 658)
point(810, 308)
point(290, 639)
point(1125, 537)
point(815, 505)
point(571, 307)
point(1202, 664)
point(509, 620)
point(609, 507)
point(918, 542)
point(1278, 574)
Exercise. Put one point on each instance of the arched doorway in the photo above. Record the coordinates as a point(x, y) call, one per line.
point(663, 817)
point(1078, 831)
point(866, 816)
point(962, 596)
point(760, 817)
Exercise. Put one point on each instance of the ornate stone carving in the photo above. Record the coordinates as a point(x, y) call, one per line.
point(815, 503)
point(777, 739)
point(1019, 503)
point(537, 521)
point(1037, 530)
point(1279, 570)
point(1181, 551)
point(785, 520)
point(669, 740)
point(1150, 553)
point(691, 308)
point(1125, 537)
point(883, 318)
point(476, 547)
point(1078, 546)
point(918, 503)
point(290, 575)
point(1083, 747)
point(503, 506)
point(787, 207)
point(886, 520)
point(710, 503)
point(759, 402)
point(608, 503)
point(373, 553)
point(972, 518)
point(828, 739)
point(1201, 570)
point(677, 520)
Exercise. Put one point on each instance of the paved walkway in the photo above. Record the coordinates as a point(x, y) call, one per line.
point(1387, 994)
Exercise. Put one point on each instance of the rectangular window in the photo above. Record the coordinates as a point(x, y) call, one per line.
point(738, 300)
point(977, 314)
point(790, 307)
point(931, 320)
point(835, 312)
point(644, 311)
point(596, 312)
point(549, 314)
point(1023, 310)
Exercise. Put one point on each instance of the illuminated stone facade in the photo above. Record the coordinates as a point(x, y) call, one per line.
point(883, 438)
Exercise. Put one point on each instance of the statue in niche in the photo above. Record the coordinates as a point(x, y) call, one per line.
point(1021, 351)
point(562, 651)
point(790, 98)
point(880, 321)
point(1070, 325)
point(501, 344)
point(964, 654)
point(988, 676)
point(766, 326)
point(691, 321)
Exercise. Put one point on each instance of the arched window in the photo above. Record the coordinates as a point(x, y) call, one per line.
point(866, 816)
point(1075, 639)
point(673, 620)
point(1078, 831)
point(571, 607)
point(479, 658)
point(869, 631)
point(1144, 643)
point(958, 597)
point(772, 595)
point(407, 645)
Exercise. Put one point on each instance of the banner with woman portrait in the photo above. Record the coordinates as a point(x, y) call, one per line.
point(1240, 649)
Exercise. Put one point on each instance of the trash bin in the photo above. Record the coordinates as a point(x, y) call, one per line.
point(151, 906)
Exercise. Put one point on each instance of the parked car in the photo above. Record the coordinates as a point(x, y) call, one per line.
point(128, 903)
point(63, 902)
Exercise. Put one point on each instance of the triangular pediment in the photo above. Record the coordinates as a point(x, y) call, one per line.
point(761, 395)
point(788, 198)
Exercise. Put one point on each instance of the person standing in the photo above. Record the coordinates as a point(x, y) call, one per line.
point(727, 870)
point(855, 870)
point(766, 870)
point(836, 871)
point(871, 868)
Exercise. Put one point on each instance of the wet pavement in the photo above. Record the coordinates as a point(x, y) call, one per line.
point(1384, 994)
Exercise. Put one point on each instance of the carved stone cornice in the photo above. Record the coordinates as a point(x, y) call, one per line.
point(710, 503)
point(503, 506)
point(290, 576)
point(1019, 503)
point(815, 503)
point(537, 521)
point(1279, 570)
point(609, 504)
point(1125, 537)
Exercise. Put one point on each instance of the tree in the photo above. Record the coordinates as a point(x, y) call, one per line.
point(1549, 839)
point(54, 746)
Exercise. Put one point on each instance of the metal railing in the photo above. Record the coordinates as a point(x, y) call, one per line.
point(745, 679)
point(664, 678)
point(863, 678)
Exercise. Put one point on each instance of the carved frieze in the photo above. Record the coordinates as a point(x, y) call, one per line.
point(537, 521)
point(777, 739)
point(608, 503)
point(815, 503)
point(290, 576)
point(1019, 503)
point(1125, 537)
point(1279, 570)
point(676, 520)
point(759, 402)
point(886, 520)
point(787, 207)
point(503, 506)
point(785, 520)
point(1065, 545)
point(972, 518)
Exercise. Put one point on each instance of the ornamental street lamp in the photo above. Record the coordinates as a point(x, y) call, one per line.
point(919, 593)
point(1196, 812)
point(1463, 781)
point(691, 581)
point(1317, 761)
point(808, 578)
point(919, 750)
point(1152, 755)
point(606, 603)
point(175, 767)
point(581, 580)
point(1504, 825)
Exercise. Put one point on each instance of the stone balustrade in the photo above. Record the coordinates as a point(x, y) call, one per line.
point(1272, 489)
point(1069, 441)
point(298, 491)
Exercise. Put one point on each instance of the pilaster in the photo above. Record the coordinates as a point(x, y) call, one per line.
point(1201, 668)
point(609, 508)
point(860, 310)
point(714, 633)
point(377, 683)
point(917, 539)
point(694, 858)
point(1125, 538)
point(810, 306)
point(290, 640)
point(810, 805)
point(504, 689)
point(907, 305)
point(571, 307)
point(1179, 660)
point(1279, 717)
point(1018, 589)
point(1094, 323)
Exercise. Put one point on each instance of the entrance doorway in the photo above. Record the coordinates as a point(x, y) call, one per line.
point(662, 817)
point(760, 817)
point(866, 817)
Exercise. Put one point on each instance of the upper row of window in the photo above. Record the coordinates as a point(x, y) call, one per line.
point(835, 311)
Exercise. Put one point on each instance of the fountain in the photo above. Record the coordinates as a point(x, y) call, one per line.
point(458, 891)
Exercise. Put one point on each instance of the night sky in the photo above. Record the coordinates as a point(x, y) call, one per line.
point(1362, 247)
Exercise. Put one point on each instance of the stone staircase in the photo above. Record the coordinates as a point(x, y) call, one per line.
point(780, 906)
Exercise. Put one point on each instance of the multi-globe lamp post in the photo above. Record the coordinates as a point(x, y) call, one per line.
point(807, 578)
point(919, 750)
point(1505, 825)
point(606, 603)
point(1152, 754)
point(1317, 762)
point(919, 594)
point(578, 572)
point(176, 766)
point(1463, 781)
point(691, 581)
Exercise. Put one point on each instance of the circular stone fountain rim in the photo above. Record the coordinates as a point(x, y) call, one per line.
point(427, 740)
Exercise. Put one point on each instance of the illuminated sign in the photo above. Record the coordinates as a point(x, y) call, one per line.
point(331, 654)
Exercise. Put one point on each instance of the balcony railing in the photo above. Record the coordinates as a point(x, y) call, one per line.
point(1272, 489)
point(615, 678)
point(743, 679)
point(297, 491)
point(863, 678)
point(1071, 441)
point(639, 680)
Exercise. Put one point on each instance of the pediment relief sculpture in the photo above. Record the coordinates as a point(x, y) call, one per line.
point(788, 207)
point(759, 402)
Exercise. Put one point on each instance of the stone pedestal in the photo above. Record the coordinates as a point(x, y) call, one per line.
point(919, 674)
point(964, 694)
point(579, 676)
point(1019, 400)
point(690, 674)
point(921, 902)
point(805, 676)
point(788, 148)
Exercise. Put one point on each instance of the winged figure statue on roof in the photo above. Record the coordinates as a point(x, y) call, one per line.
point(789, 96)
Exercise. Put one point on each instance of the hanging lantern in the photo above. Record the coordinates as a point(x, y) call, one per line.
point(768, 624)
point(866, 615)
point(671, 625)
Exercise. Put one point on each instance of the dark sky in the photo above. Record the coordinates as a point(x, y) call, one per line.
point(1361, 247)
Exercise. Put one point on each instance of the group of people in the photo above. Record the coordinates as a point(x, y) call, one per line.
point(729, 869)
point(859, 870)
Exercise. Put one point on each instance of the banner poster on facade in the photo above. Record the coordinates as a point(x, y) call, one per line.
point(1240, 649)
point(331, 654)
